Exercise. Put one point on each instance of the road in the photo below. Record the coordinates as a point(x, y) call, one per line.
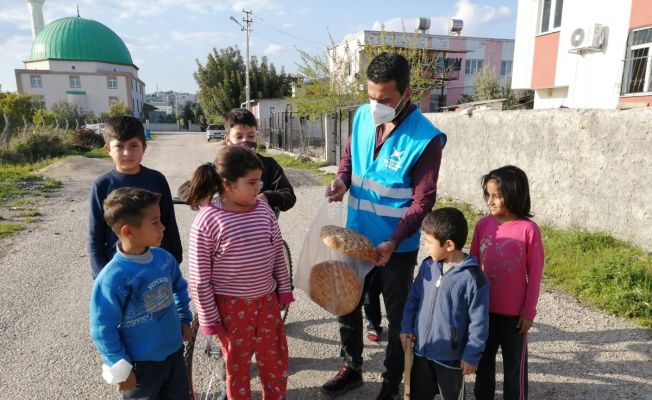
point(576, 352)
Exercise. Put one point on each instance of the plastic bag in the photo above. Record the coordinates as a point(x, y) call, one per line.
point(331, 279)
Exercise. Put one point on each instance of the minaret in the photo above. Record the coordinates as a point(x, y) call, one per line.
point(36, 9)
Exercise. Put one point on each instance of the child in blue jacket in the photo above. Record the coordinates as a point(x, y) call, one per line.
point(446, 314)
point(139, 314)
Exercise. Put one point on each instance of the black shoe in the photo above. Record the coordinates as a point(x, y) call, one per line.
point(346, 379)
point(389, 391)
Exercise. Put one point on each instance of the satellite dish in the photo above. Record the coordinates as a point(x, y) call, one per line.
point(577, 38)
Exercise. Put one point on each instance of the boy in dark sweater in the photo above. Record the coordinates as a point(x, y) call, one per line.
point(125, 142)
point(447, 310)
point(276, 190)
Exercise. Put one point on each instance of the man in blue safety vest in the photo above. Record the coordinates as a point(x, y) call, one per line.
point(390, 166)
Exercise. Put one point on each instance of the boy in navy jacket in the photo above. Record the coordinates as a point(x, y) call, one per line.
point(446, 314)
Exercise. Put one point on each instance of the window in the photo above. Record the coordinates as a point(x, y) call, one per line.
point(472, 66)
point(36, 80)
point(41, 100)
point(113, 99)
point(112, 82)
point(551, 12)
point(73, 67)
point(506, 68)
point(75, 82)
point(638, 63)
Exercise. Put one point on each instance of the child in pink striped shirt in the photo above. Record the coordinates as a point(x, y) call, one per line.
point(238, 277)
point(508, 245)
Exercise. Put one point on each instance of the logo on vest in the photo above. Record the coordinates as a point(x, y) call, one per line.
point(393, 162)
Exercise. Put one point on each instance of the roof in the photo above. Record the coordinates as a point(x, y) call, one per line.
point(79, 39)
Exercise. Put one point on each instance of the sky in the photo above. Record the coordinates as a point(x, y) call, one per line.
point(166, 38)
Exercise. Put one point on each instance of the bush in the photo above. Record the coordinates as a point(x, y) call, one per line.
point(41, 146)
point(86, 139)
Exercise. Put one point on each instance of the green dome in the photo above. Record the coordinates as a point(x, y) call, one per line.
point(79, 39)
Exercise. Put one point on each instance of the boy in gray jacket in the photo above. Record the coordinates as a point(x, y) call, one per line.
point(446, 314)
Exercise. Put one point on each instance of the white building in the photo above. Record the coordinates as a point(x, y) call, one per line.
point(460, 56)
point(584, 53)
point(81, 61)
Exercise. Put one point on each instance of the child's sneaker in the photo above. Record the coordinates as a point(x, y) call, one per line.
point(373, 334)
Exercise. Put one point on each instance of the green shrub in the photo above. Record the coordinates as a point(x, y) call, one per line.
point(41, 146)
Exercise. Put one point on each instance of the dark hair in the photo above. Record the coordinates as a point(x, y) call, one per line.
point(446, 223)
point(126, 206)
point(513, 184)
point(123, 128)
point(231, 163)
point(241, 116)
point(387, 67)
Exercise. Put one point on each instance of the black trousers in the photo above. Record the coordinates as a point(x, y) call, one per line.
point(395, 280)
point(427, 378)
point(371, 300)
point(164, 380)
point(504, 334)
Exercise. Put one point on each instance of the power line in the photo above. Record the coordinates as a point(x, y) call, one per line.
point(307, 41)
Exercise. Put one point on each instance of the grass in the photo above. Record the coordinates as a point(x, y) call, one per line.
point(592, 266)
point(7, 228)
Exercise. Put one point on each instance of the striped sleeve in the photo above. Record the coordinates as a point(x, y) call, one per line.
point(201, 245)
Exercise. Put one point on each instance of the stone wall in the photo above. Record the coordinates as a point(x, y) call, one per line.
point(589, 169)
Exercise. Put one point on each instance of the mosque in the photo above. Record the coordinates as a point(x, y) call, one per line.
point(80, 61)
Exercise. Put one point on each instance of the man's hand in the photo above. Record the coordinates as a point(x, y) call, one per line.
point(186, 332)
point(468, 369)
point(336, 190)
point(262, 197)
point(406, 340)
point(130, 383)
point(523, 325)
point(384, 252)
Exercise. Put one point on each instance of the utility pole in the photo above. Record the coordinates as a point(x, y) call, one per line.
point(247, 28)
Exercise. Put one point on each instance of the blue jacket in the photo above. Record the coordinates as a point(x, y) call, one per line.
point(381, 188)
point(451, 322)
point(137, 306)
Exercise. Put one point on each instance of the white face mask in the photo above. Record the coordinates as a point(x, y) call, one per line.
point(382, 114)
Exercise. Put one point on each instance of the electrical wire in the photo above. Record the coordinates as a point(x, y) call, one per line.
point(305, 40)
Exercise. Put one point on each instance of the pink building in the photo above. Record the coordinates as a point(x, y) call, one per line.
point(460, 56)
point(584, 53)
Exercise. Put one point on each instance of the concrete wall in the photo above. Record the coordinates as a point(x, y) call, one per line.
point(588, 169)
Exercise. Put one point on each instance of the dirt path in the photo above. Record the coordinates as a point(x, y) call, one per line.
point(45, 351)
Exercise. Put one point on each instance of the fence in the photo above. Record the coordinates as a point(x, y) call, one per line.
point(323, 138)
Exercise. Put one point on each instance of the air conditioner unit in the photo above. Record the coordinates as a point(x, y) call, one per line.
point(588, 38)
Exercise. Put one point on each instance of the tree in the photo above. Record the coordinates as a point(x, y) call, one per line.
point(326, 83)
point(119, 108)
point(221, 81)
point(17, 107)
point(486, 86)
point(65, 111)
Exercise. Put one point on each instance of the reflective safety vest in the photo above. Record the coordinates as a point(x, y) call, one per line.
point(382, 188)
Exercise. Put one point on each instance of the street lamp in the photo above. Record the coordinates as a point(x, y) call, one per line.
point(247, 29)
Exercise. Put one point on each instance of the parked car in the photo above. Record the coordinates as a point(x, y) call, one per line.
point(215, 131)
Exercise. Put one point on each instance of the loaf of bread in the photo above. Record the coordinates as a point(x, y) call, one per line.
point(335, 287)
point(347, 242)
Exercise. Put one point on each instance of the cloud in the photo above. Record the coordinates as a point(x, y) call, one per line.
point(258, 5)
point(288, 25)
point(197, 37)
point(274, 49)
point(303, 11)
